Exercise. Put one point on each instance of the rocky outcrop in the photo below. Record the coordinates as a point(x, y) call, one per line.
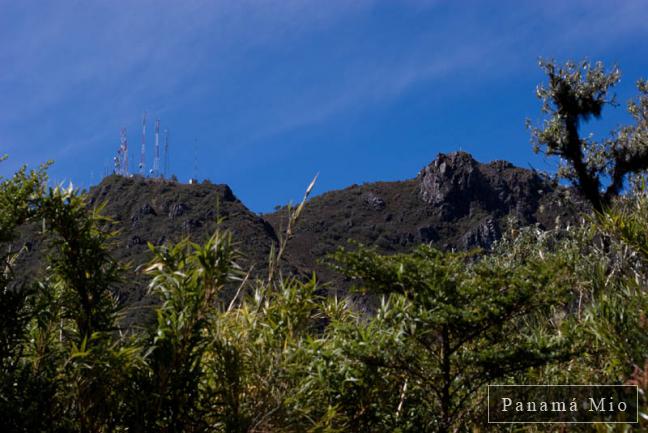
point(455, 185)
point(375, 202)
point(482, 235)
point(450, 183)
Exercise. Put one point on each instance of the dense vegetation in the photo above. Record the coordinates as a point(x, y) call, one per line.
point(567, 305)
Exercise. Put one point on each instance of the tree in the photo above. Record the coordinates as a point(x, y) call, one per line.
point(462, 323)
point(94, 371)
point(81, 264)
point(189, 280)
point(25, 389)
point(575, 93)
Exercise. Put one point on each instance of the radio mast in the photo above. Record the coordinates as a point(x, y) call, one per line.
point(123, 148)
point(120, 161)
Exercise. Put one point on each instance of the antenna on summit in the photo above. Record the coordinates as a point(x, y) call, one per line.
point(156, 160)
point(143, 149)
point(121, 159)
point(123, 147)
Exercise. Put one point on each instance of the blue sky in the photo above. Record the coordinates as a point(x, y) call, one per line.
point(268, 93)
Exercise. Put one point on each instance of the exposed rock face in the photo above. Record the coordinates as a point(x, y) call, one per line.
point(177, 209)
point(375, 202)
point(455, 185)
point(450, 183)
point(482, 235)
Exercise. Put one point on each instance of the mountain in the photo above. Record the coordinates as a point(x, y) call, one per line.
point(454, 202)
point(161, 211)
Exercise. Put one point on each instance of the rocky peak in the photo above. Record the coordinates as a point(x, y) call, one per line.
point(455, 185)
point(450, 183)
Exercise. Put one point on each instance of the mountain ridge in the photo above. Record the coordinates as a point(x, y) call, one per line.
point(455, 202)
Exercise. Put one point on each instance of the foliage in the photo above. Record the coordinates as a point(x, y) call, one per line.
point(463, 324)
point(576, 92)
point(24, 390)
point(188, 279)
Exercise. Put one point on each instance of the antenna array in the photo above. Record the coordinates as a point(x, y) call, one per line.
point(121, 159)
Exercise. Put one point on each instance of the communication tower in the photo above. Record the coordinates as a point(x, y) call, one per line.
point(120, 160)
point(123, 146)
